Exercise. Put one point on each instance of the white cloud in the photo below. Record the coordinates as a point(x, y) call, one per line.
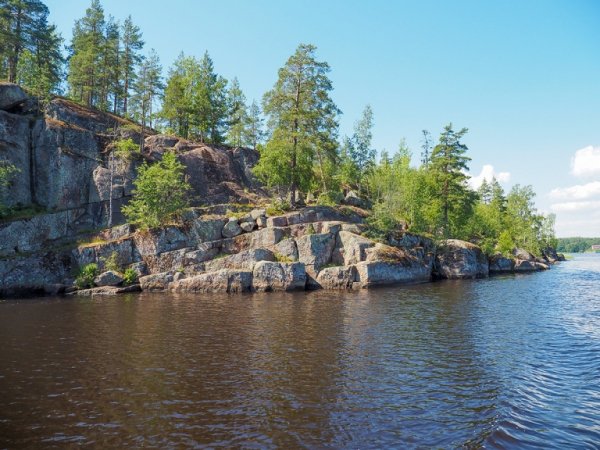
point(579, 192)
point(586, 162)
point(582, 227)
point(575, 206)
point(487, 173)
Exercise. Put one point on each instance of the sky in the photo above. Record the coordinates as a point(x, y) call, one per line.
point(522, 75)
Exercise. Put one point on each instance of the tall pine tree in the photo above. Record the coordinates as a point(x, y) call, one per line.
point(301, 118)
point(448, 166)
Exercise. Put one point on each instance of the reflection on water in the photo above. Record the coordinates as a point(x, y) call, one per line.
point(506, 362)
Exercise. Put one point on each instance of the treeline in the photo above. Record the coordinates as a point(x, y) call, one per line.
point(30, 47)
point(576, 244)
point(295, 128)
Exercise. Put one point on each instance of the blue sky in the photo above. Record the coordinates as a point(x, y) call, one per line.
point(523, 76)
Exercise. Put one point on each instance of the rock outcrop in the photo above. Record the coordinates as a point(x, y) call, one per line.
point(461, 260)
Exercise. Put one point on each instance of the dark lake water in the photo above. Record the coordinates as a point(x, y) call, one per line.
point(505, 362)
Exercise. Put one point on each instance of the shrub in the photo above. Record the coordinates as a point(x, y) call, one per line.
point(505, 243)
point(282, 258)
point(310, 229)
point(112, 262)
point(160, 195)
point(329, 198)
point(129, 276)
point(86, 276)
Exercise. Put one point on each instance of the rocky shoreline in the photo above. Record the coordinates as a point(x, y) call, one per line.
point(61, 152)
point(220, 249)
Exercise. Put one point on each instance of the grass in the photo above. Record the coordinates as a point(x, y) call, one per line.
point(21, 213)
point(332, 264)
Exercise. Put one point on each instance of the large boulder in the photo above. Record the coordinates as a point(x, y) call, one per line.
point(158, 281)
point(243, 260)
point(225, 280)
point(340, 277)
point(280, 221)
point(351, 248)
point(461, 260)
point(11, 95)
point(501, 264)
point(523, 265)
point(109, 278)
point(286, 249)
point(248, 226)
point(353, 199)
point(315, 249)
point(27, 275)
point(522, 254)
point(232, 228)
point(379, 273)
point(274, 276)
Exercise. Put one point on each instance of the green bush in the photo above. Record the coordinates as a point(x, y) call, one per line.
point(282, 258)
point(161, 193)
point(505, 243)
point(129, 276)
point(112, 262)
point(86, 276)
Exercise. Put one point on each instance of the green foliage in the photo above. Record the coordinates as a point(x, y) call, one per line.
point(333, 264)
point(147, 89)
point(195, 100)
point(505, 243)
point(161, 193)
point(129, 276)
point(85, 277)
point(7, 173)
point(278, 207)
point(29, 46)
point(112, 262)
point(576, 244)
point(104, 57)
point(447, 165)
point(126, 150)
point(360, 156)
point(329, 198)
point(302, 124)
point(310, 229)
point(283, 258)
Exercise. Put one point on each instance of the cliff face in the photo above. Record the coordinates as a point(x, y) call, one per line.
point(61, 153)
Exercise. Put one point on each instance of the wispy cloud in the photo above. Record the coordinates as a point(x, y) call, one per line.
point(487, 173)
point(575, 206)
point(586, 162)
point(579, 192)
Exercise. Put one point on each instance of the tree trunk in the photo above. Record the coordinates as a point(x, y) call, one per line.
point(14, 61)
point(126, 85)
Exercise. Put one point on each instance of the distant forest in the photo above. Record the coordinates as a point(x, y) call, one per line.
point(576, 244)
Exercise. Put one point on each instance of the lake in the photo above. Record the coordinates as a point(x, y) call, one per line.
point(505, 362)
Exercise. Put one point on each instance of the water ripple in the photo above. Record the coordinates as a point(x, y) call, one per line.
point(506, 362)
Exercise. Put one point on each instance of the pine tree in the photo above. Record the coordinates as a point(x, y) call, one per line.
point(300, 115)
point(485, 192)
point(147, 86)
point(131, 38)
point(211, 101)
point(447, 165)
point(23, 23)
point(85, 54)
point(40, 67)
point(237, 120)
point(254, 122)
point(179, 94)
point(360, 151)
point(427, 146)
